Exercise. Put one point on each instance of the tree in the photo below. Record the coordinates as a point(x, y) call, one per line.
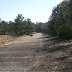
point(65, 31)
point(29, 26)
point(18, 24)
point(60, 18)
point(3, 27)
point(22, 26)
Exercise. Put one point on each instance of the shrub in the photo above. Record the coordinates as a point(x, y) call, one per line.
point(65, 31)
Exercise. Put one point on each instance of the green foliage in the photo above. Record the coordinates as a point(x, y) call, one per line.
point(20, 26)
point(41, 27)
point(4, 27)
point(61, 20)
point(65, 31)
point(29, 27)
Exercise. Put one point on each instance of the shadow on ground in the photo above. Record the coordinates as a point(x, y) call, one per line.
point(59, 54)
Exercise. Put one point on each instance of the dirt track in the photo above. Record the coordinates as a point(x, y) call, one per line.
point(31, 56)
point(21, 55)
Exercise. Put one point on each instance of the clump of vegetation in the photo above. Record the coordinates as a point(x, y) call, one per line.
point(21, 26)
point(60, 23)
point(65, 31)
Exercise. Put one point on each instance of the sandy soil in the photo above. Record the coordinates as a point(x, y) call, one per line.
point(27, 38)
point(6, 39)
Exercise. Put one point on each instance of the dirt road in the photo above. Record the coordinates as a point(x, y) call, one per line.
point(29, 54)
point(21, 55)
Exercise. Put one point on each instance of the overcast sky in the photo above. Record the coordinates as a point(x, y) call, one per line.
point(36, 10)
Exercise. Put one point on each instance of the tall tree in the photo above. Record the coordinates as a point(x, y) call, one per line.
point(61, 17)
point(18, 24)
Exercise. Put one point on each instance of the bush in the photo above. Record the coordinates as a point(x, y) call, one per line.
point(65, 31)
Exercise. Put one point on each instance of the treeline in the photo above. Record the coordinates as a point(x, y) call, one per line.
point(60, 23)
point(41, 27)
point(21, 26)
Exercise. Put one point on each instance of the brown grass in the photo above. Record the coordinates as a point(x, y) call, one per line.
point(5, 39)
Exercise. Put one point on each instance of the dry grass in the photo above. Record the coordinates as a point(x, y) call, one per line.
point(5, 39)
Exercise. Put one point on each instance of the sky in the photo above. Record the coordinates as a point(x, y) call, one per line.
point(36, 10)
